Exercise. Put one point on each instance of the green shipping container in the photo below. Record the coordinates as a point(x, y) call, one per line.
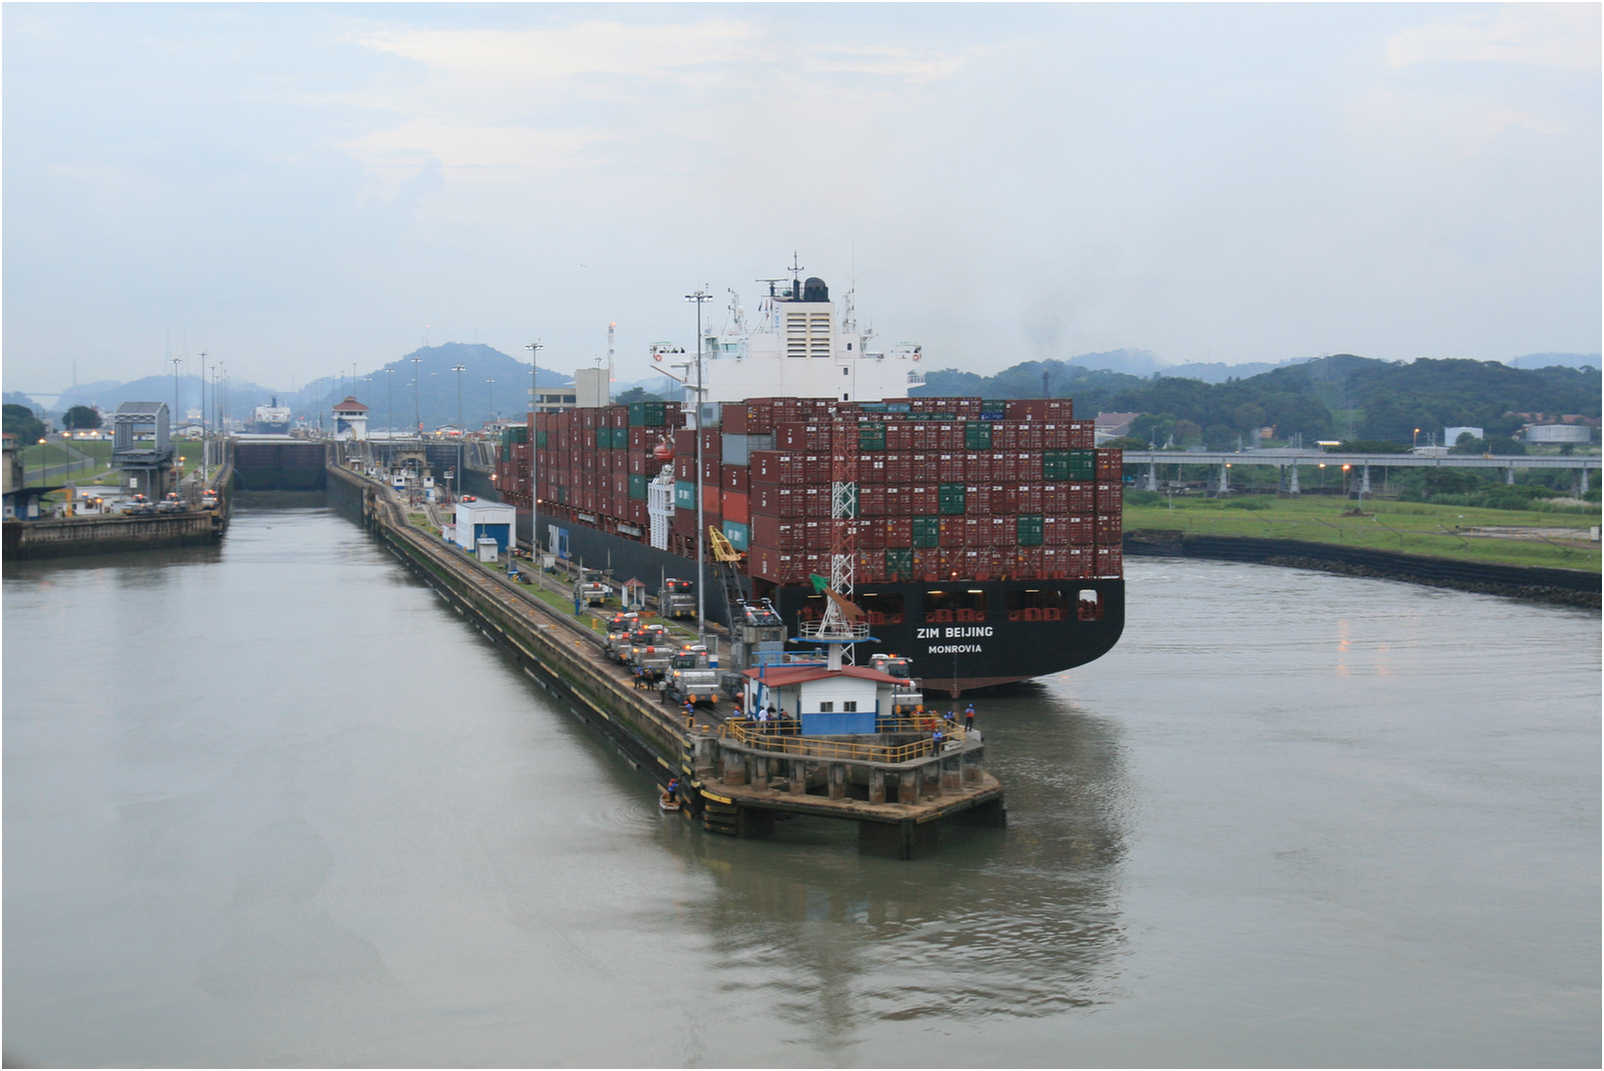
point(637, 414)
point(620, 438)
point(684, 494)
point(637, 486)
point(604, 438)
point(1029, 530)
point(950, 499)
point(656, 414)
point(926, 532)
point(1055, 465)
point(977, 436)
point(738, 534)
point(1082, 465)
point(871, 436)
point(899, 563)
point(540, 439)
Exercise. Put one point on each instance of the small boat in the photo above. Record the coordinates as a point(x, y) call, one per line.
point(667, 802)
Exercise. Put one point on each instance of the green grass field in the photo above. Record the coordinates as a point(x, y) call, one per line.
point(1408, 527)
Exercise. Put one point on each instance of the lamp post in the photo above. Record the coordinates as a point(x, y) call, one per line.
point(457, 368)
point(389, 405)
point(699, 296)
point(1415, 443)
point(206, 446)
point(417, 396)
point(534, 462)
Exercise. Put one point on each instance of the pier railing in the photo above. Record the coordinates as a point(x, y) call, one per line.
point(762, 737)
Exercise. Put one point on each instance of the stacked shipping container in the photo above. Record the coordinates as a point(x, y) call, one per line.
point(947, 487)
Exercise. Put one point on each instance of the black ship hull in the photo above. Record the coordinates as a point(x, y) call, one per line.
point(951, 651)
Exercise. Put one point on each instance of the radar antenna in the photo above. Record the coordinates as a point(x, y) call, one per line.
point(796, 277)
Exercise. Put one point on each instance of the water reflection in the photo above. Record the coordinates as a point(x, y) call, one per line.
point(1022, 923)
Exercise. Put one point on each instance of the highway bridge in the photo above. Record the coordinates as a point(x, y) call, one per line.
point(1144, 464)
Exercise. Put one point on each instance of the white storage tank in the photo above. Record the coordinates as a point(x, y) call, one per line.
point(1558, 433)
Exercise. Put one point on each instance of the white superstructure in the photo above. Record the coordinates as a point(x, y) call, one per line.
point(796, 346)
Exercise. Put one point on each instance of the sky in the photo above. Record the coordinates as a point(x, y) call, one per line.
point(297, 188)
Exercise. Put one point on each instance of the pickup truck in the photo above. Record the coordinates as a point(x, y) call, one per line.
point(690, 677)
point(677, 598)
point(906, 696)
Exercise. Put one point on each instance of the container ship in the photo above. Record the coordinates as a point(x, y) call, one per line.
point(979, 538)
point(271, 419)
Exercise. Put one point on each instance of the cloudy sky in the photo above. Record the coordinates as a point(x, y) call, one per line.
point(295, 188)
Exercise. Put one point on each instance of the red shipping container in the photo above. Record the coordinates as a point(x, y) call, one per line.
point(950, 468)
point(1025, 409)
point(637, 465)
point(898, 437)
point(1081, 530)
point(733, 478)
point(1110, 561)
point(1001, 531)
point(1082, 498)
point(923, 468)
point(897, 501)
point(871, 501)
point(976, 531)
point(1004, 500)
point(760, 416)
point(899, 468)
point(1110, 465)
point(684, 469)
point(1055, 498)
point(1030, 498)
point(871, 534)
point(732, 418)
point(735, 506)
point(977, 500)
point(1082, 434)
point(712, 444)
point(922, 499)
point(951, 531)
point(791, 435)
point(815, 501)
point(1110, 498)
point(896, 531)
point(950, 435)
point(872, 469)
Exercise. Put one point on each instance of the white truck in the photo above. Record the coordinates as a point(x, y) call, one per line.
point(906, 696)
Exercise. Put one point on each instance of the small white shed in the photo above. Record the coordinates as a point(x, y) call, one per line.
point(478, 520)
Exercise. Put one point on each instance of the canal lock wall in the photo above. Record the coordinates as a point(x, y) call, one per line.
point(734, 787)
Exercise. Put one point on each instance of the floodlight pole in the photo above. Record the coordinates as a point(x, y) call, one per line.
point(534, 462)
point(459, 369)
point(699, 296)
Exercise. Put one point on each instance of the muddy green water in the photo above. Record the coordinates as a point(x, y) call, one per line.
point(276, 804)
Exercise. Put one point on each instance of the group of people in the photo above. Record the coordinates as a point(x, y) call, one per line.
point(761, 717)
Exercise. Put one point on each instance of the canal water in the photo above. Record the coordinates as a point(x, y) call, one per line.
point(275, 803)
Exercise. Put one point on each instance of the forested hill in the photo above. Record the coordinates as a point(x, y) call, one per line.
point(1341, 396)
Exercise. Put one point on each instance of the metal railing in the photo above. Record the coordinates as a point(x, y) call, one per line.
point(762, 736)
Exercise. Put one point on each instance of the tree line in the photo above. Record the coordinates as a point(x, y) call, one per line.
point(1337, 397)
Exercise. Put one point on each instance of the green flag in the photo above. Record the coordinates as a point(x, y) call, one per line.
point(820, 583)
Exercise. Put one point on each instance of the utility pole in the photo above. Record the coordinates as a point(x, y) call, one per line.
point(698, 297)
point(461, 431)
point(175, 388)
point(492, 381)
point(534, 462)
point(206, 445)
point(417, 393)
point(389, 406)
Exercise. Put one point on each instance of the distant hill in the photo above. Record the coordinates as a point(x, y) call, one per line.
point(1556, 360)
point(1340, 396)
